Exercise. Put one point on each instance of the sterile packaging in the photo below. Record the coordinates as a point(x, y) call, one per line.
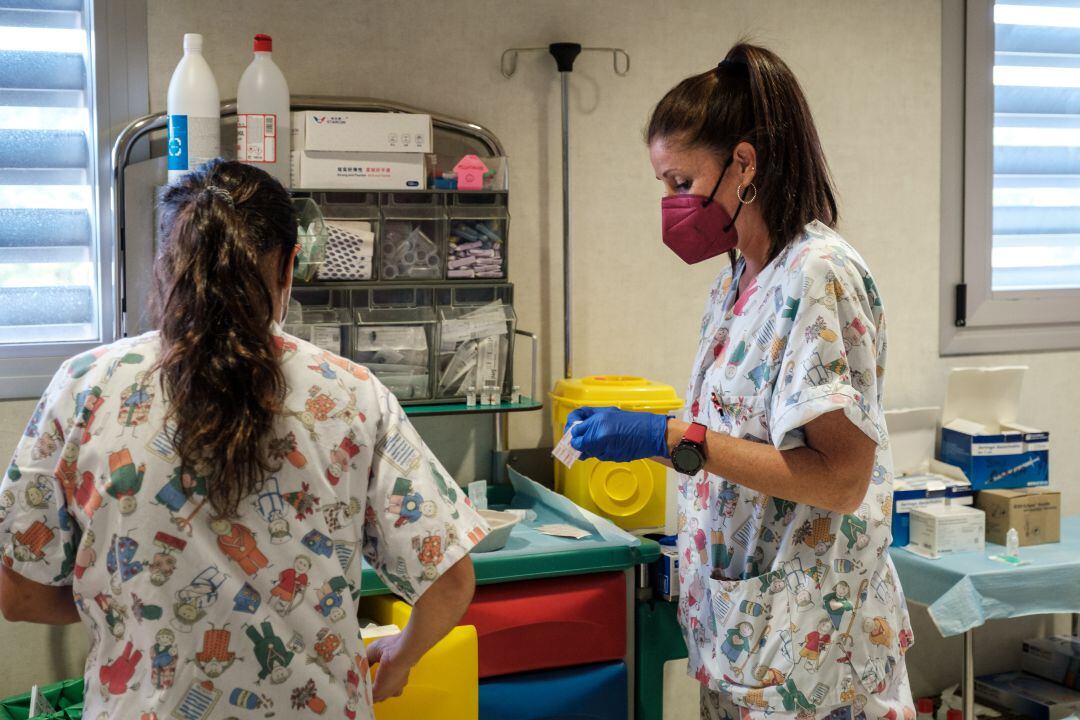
point(1056, 659)
point(980, 433)
point(350, 251)
point(920, 480)
point(383, 132)
point(1028, 695)
point(359, 171)
point(474, 347)
point(940, 530)
point(412, 241)
point(394, 344)
point(1034, 512)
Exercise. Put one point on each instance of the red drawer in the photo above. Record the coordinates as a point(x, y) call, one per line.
point(542, 624)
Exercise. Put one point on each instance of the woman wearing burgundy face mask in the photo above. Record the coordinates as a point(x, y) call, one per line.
point(790, 603)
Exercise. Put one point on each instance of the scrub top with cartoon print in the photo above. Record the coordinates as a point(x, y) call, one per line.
point(195, 617)
point(787, 607)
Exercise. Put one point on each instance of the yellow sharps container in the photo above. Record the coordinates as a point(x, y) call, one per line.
point(631, 495)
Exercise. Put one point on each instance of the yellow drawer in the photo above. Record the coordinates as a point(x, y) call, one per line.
point(444, 685)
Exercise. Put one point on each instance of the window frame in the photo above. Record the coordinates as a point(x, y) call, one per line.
point(119, 92)
point(974, 318)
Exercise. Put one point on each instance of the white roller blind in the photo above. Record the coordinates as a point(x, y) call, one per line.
point(48, 272)
point(1036, 210)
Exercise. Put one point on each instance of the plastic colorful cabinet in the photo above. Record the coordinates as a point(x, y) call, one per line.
point(632, 494)
point(549, 623)
point(443, 685)
point(596, 692)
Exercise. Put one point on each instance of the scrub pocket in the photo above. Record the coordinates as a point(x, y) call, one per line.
point(753, 637)
point(741, 415)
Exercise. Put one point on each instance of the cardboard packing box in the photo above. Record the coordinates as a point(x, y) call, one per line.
point(1034, 512)
point(382, 132)
point(1056, 659)
point(1027, 695)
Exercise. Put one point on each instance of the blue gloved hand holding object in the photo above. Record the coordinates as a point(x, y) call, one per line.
point(614, 435)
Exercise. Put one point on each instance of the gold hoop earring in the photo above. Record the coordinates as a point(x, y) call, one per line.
point(739, 193)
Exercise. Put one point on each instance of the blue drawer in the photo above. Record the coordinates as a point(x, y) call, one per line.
point(586, 692)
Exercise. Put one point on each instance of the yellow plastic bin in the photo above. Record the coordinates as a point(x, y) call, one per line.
point(631, 495)
point(444, 685)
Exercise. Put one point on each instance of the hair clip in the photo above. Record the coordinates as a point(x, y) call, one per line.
point(221, 194)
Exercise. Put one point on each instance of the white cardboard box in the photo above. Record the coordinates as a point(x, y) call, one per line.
point(920, 480)
point(387, 132)
point(359, 171)
point(940, 530)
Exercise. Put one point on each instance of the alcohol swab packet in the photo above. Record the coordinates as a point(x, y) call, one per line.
point(564, 452)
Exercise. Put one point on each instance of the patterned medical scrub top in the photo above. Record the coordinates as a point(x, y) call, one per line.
point(788, 607)
point(195, 617)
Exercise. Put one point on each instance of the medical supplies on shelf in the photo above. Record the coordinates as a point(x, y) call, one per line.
point(476, 242)
point(360, 150)
point(350, 253)
point(425, 343)
point(414, 237)
point(311, 236)
point(474, 346)
point(324, 131)
point(394, 344)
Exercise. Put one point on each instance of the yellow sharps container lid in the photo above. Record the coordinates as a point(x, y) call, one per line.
point(620, 390)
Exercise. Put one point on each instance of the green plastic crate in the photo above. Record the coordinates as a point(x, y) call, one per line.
point(66, 696)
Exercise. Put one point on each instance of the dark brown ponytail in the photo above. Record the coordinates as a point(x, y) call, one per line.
point(753, 96)
point(226, 230)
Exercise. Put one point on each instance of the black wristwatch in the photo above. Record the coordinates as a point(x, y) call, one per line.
point(688, 457)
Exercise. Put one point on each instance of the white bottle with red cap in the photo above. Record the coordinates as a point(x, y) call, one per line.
point(262, 114)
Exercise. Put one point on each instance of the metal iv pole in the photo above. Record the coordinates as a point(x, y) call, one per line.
point(565, 54)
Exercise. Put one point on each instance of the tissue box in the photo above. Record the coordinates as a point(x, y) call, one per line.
point(947, 529)
point(1056, 659)
point(921, 481)
point(383, 132)
point(318, 170)
point(1027, 695)
point(1034, 512)
point(980, 434)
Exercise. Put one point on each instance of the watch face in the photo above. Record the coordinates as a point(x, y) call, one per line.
point(687, 459)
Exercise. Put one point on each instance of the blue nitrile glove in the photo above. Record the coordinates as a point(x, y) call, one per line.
point(614, 435)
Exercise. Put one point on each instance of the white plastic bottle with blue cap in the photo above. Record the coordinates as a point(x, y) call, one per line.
point(194, 109)
point(263, 120)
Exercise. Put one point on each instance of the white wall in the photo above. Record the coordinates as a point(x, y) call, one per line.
point(871, 71)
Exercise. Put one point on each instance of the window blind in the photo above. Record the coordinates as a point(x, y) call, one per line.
point(48, 258)
point(1036, 188)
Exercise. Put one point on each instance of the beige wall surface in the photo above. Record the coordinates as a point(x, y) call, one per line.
point(870, 68)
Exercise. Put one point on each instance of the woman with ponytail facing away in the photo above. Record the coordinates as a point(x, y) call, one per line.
point(200, 496)
point(789, 602)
